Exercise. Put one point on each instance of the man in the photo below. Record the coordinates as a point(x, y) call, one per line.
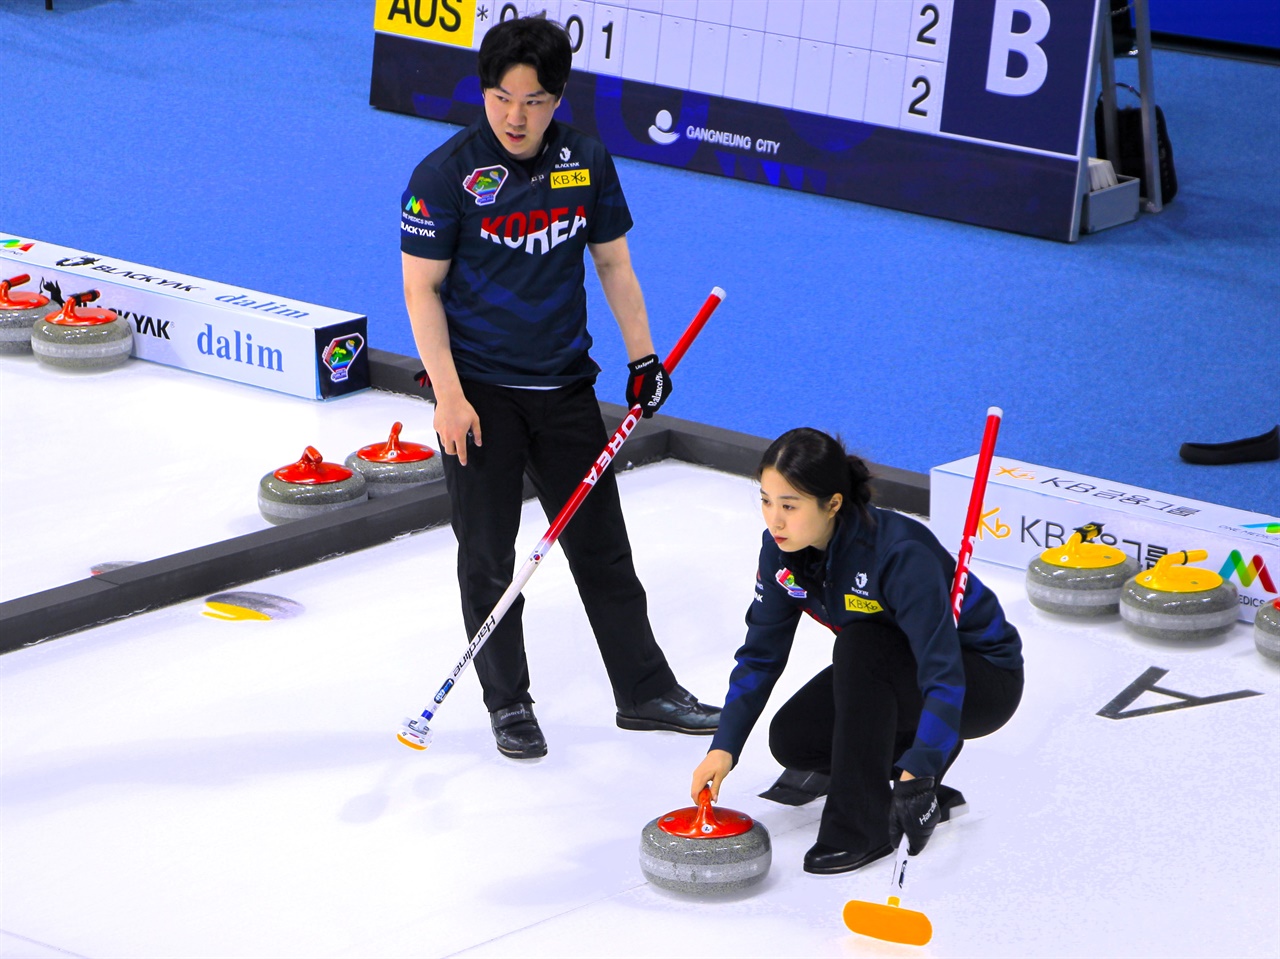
point(494, 225)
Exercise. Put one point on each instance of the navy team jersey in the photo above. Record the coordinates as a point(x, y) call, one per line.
point(894, 571)
point(516, 232)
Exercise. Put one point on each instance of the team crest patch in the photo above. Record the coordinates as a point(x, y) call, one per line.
point(786, 579)
point(484, 183)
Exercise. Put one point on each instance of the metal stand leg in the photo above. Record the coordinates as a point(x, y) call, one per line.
point(1153, 200)
point(1107, 61)
point(1147, 83)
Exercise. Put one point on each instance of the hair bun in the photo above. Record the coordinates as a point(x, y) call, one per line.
point(859, 480)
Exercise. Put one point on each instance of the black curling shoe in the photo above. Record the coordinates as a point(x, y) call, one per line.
point(952, 803)
point(517, 733)
point(678, 711)
point(795, 787)
point(1254, 449)
point(824, 860)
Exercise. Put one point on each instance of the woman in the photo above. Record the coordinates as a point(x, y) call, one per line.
point(905, 687)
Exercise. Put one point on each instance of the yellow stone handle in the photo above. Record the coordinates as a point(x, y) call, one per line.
point(1081, 552)
point(1171, 574)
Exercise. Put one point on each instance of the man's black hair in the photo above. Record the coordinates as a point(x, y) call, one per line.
point(534, 41)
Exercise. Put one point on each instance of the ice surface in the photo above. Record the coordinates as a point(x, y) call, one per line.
point(148, 460)
point(175, 785)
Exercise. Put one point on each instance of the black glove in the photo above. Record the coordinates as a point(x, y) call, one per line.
point(422, 379)
point(648, 384)
point(915, 811)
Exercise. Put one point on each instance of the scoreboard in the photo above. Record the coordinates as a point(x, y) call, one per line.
point(973, 110)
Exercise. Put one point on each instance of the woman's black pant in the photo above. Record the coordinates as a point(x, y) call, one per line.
point(553, 436)
point(859, 715)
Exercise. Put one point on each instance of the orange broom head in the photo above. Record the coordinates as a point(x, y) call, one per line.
point(889, 922)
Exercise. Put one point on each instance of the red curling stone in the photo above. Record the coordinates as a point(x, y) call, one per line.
point(308, 487)
point(18, 314)
point(79, 337)
point(704, 851)
point(395, 465)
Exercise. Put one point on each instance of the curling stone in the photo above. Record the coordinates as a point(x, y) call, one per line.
point(395, 465)
point(18, 313)
point(1081, 577)
point(308, 487)
point(702, 851)
point(1176, 601)
point(82, 338)
point(1266, 629)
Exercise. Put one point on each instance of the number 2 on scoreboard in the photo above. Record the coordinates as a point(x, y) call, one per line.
point(915, 108)
point(922, 95)
point(924, 35)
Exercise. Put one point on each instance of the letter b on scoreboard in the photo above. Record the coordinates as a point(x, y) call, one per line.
point(1018, 72)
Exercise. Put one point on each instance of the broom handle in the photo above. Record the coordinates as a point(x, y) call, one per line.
point(958, 586)
point(585, 486)
point(961, 581)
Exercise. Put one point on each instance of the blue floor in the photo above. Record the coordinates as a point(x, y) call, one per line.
point(232, 139)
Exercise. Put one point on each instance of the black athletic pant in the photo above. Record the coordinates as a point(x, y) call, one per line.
point(859, 715)
point(554, 436)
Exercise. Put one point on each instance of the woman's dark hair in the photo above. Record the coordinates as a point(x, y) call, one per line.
point(818, 465)
point(533, 41)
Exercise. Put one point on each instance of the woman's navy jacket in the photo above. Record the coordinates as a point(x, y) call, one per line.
point(883, 567)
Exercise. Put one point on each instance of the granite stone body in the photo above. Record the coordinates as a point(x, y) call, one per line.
point(73, 347)
point(282, 502)
point(383, 479)
point(1266, 631)
point(16, 325)
point(1077, 592)
point(705, 866)
point(1180, 616)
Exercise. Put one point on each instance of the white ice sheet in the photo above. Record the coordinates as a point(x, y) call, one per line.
point(145, 460)
point(179, 786)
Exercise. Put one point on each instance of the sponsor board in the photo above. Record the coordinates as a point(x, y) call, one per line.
point(1029, 508)
point(209, 327)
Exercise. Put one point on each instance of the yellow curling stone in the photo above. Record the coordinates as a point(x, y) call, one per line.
point(1266, 629)
point(1080, 578)
point(1174, 600)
